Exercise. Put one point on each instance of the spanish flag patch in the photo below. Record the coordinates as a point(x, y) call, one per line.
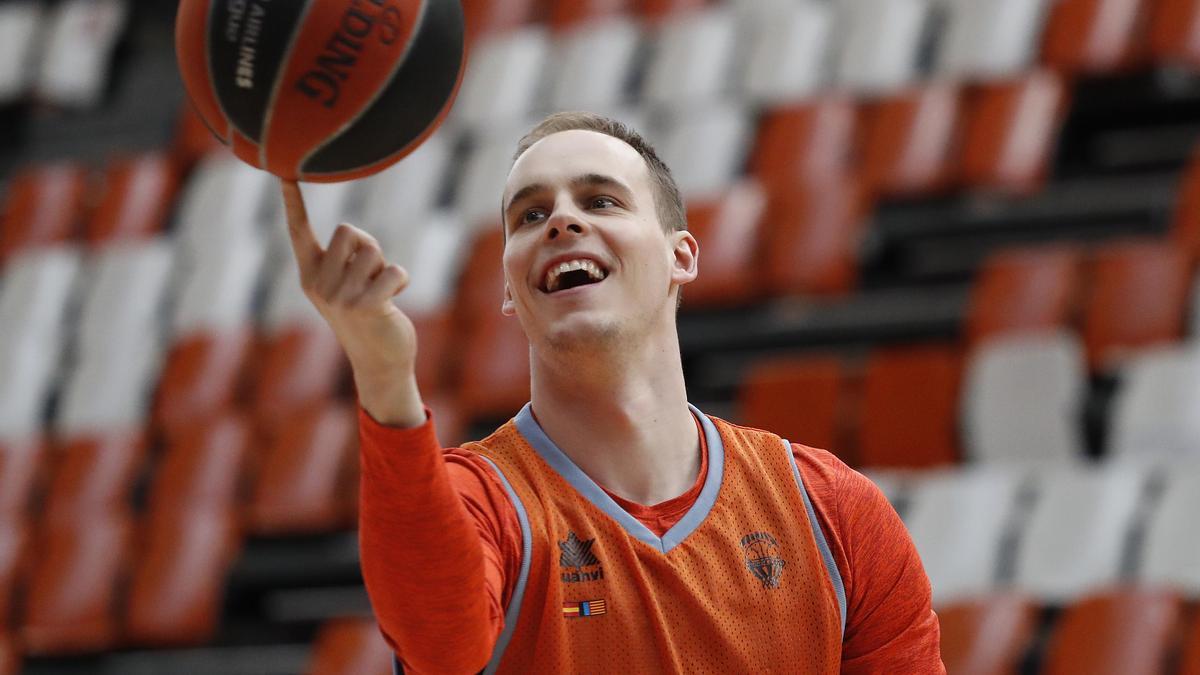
point(584, 608)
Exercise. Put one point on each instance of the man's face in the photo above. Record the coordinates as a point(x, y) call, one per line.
point(586, 258)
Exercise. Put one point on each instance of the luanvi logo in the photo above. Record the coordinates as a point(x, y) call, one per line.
point(577, 554)
point(762, 558)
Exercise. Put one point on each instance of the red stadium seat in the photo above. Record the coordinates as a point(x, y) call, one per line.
point(14, 537)
point(1175, 32)
point(10, 655)
point(350, 647)
point(727, 228)
point(297, 485)
point(1023, 290)
point(1137, 298)
point(71, 601)
point(20, 465)
point(1091, 36)
point(804, 142)
point(987, 636)
point(296, 366)
point(1185, 226)
point(493, 377)
point(908, 140)
point(43, 206)
point(1190, 663)
point(1122, 632)
point(201, 466)
point(176, 592)
point(433, 338)
point(661, 10)
point(495, 369)
point(1012, 128)
point(568, 15)
point(811, 238)
point(201, 376)
point(798, 398)
point(96, 474)
point(489, 17)
point(138, 195)
point(902, 430)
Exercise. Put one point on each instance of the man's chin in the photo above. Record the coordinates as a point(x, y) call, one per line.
point(582, 330)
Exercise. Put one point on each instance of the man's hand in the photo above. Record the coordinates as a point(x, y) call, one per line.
point(352, 286)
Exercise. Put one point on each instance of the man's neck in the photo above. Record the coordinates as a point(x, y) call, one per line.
point(622, 416)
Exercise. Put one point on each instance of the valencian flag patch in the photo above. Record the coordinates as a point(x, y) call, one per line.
point(585, 608)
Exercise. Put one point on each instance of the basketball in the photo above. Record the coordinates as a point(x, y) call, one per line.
point(321, 90)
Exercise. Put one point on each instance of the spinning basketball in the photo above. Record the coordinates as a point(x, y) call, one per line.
point(321, 90)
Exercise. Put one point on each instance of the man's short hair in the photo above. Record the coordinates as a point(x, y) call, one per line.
point(667, 202)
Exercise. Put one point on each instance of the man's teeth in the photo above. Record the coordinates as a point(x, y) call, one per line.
point(593, 270)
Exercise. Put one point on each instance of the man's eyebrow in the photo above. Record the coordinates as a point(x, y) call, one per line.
point(600, 180)
point(523, 193)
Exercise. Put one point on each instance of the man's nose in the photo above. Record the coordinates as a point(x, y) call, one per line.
point(564, 220)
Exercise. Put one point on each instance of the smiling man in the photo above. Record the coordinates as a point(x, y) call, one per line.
point(609, 527)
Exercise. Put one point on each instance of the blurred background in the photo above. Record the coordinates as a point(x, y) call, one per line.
point(952, 241)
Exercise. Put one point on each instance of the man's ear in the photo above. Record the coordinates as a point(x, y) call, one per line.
point(507, 308)
point(686, 257)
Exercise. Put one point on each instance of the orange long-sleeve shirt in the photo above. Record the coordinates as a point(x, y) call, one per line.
point(434, 518)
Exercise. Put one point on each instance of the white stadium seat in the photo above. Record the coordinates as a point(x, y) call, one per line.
point(503, 75)
point(705, 146)
point(592, 64)
point(36, 293)
point(404, 192)
point(958, 520)
point(1023, 399)
point(220, 206)
point(110, 392)
point(481, 182)
point(433, 255)
point(218, 290)
point(879, 43)
point(990, 38)
point(1076, 536)
point(77, 49)
point(692, 60)
point(125, 295)
point(1156, 411)
point(28, 373)
point(785, 47)
point(18, 29)
point(1170, 553)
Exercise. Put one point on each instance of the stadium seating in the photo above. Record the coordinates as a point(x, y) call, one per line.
point(1170, 555)
point(786, 45)
point(959, 521)
point(43, 205)
point(1020, 290)
point(1126, 632)
point(501, 86)
point(19, 23)
point(79, 41)
point(811, 238)
point(727, 229)
point(909, 140)
point(1091, 36)
point(988, 635)
point(350, 647)
point(138, 195)
point(899, 430)
point(94, 474)
point(989, 39)
point(692, 60)
point(20, 465)
point(799, 399)
point(1136, 299)
point(1172, 31)
point(593, 58)
point(1077, 536)
point(1190, 663)
point(879, 43)
point(1154, 410)
point(801, 143)
point(1022, 399)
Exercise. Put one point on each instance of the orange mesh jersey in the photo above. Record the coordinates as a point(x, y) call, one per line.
point(738, 585)
point(503, 556)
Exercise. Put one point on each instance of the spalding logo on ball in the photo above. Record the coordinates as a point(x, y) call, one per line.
point(321, 90)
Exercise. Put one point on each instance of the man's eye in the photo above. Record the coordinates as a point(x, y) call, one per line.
point(532, 216)
point(602, 202)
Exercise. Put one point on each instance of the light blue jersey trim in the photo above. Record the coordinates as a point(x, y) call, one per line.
point(826, 554)
point(558, 460)
point(514, 604)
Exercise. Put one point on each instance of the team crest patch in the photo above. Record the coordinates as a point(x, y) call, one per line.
point(762, 558)
point(577, 554)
